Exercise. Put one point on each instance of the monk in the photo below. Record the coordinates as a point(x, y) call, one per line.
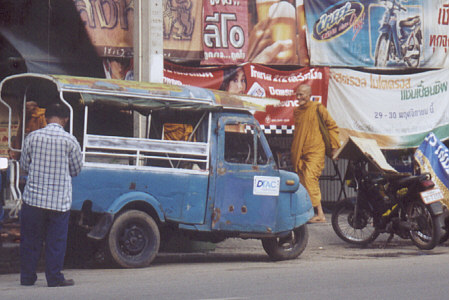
point(35, 117)
point(34, 120)
point(308, 148)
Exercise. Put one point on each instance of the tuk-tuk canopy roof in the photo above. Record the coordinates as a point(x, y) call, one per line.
point(138, 95)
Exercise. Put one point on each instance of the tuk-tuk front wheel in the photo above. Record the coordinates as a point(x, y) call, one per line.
point(134, 239)
point(288, 247)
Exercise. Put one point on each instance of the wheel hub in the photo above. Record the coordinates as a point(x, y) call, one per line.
point(359, 223)
point(133, 240)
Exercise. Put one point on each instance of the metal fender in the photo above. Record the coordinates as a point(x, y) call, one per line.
point(130, 197)
point(436, 208)
point(385, 28)
point(289, 181)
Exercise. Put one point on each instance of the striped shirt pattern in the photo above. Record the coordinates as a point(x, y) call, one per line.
point(51, 156)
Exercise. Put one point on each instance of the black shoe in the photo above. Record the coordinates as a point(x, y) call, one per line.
point(65, 282)
point(27, 282)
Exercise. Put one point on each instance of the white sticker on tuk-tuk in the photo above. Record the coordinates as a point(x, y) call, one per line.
point(266, 185)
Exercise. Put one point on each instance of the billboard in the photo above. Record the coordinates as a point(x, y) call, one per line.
point(396, 110)
point(256, 80)
point(391, 34)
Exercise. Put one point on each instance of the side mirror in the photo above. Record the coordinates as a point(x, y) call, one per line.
point(3, 163)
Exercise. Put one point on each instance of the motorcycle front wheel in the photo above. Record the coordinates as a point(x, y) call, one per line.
point(425, 229)
point(382, 51)
point(358, 230)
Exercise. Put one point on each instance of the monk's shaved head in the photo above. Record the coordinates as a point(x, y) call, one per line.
point(303, 93)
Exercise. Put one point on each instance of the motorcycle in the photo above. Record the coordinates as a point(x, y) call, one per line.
point(403, 46)
point(394, 203)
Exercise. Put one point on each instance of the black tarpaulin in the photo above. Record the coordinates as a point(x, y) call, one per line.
point(45, 37)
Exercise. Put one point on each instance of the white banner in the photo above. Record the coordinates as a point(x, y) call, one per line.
point(396, 110)
point(436, 37)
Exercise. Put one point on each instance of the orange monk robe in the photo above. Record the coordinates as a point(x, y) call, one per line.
point(308, 149)
point(178, 132)
point(36, 121)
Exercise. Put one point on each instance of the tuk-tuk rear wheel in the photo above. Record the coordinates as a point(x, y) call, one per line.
point(289, 247)
point(134, 239)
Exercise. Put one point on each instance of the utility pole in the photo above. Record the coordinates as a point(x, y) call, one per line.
point(148, 46)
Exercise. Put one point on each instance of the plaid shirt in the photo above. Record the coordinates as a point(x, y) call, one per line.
point(51, 156)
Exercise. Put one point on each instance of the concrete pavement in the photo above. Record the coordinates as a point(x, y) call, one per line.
point(323, 244)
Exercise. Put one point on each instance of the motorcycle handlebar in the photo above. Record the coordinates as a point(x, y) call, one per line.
point(396, 4)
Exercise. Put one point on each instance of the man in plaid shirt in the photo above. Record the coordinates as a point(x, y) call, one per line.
point(51, 156)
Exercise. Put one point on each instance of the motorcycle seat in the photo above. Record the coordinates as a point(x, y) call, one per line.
point(407, 181)
point(410, 22)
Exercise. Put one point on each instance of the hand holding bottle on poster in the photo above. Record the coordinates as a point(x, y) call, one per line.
point(273, 38)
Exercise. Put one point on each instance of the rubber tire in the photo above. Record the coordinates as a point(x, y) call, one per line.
point(348, 205)
point(414, 63)
point(431, 220)
point(275, 247)
point(445, 231)
point(382, 48)
point(134, 239)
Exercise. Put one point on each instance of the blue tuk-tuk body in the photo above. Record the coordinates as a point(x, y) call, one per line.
point(157, 156)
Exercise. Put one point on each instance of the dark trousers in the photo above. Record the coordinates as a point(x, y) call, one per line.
point(38, 225)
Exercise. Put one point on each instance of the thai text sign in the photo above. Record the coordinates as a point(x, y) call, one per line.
point(432, 156)
point(259, 81)
point(396, 110)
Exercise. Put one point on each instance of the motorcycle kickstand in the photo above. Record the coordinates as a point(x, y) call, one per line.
point(388, 240)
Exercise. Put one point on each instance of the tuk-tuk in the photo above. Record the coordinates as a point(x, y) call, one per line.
point(159, 156)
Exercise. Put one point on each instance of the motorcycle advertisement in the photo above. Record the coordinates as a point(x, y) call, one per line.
point(432, 156)
point(396, 110)
point(384, 34)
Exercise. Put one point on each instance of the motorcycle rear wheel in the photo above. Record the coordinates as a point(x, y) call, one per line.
point(360, 231)
point(413, 61)
point(444, 226)
point(426, 230)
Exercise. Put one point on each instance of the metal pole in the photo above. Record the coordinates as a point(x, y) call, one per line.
point(148, 47)
point(148, 41)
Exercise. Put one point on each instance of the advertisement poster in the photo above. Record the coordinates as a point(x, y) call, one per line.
point(225, 32)
point(267, 82)
point(396, 110)
point(259, 81)
point(182, 29)
point(394, 34)
point(109, 25)
point(4, 136)
point(258, 31)
point(436, 39)
point(3, 140)
point(211, 77)
point(277, 33)
point(432, 156)
point(212, 32)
